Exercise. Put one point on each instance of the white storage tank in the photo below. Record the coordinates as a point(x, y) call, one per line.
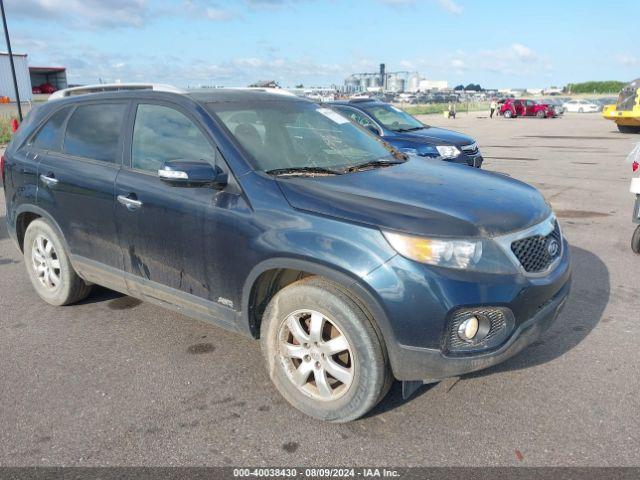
point(22, 75)
point(395, 83)
point(414, 82)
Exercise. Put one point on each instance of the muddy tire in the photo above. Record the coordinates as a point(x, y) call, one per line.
point(49, 268)
point(323, 353)
point(635, 241)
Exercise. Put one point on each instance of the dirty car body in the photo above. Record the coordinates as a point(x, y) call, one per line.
point(222, 249)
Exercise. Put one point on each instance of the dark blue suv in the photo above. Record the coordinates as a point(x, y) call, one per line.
point(280, 219)
point(408, 135)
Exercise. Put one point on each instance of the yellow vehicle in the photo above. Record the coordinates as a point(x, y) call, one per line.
point(626, 113)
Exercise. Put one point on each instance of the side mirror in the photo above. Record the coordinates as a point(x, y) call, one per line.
point(184, 173)
point(373, 129)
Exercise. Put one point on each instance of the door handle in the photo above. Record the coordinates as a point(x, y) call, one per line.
point(130, 203)
point(49, 180)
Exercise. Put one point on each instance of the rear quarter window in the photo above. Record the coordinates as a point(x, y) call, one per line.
point(49, 136)
point(93, 131)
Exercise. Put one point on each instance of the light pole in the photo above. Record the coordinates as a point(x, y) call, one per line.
point(13, 68)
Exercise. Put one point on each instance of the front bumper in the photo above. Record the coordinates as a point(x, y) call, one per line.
point(418, 302)
point(431, 365)
point(472, 160)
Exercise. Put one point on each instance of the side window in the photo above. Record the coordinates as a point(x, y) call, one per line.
point(161, 134)
point(48, 137)
point(93, 131)
point(357, 117)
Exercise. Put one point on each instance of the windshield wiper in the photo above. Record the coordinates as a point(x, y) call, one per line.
point(372, 164)
point(303, 171)
point(411, 129)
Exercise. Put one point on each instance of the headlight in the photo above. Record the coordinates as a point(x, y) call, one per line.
point(422, 151)
point(462, 254)
point(448, 151)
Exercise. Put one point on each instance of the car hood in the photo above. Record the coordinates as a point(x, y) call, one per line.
point(436, 136)
point(422, 197)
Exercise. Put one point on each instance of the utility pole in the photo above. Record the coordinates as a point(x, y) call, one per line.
point(13, 68)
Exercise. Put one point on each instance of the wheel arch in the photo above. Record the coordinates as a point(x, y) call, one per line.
point(27, 213)
point(270, 276)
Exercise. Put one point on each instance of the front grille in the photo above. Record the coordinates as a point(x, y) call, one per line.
point(626, 99)
point(500, 318)
point(536, 253)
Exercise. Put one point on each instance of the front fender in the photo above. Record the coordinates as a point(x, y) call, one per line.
point(355, 285)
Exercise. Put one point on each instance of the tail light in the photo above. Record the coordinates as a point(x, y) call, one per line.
point(634, 165)
point(2, 168)
point(14, 125)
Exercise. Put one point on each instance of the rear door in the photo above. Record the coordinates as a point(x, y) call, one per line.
point(77, 179)
point(530, 108)
point(23, 176)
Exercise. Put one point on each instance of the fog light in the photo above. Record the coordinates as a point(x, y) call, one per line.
point(468, 329)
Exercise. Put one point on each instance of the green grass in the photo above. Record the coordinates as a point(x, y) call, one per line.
point(5, 129)
point(430, 108)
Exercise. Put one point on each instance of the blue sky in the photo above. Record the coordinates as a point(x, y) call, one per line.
point(319, 42)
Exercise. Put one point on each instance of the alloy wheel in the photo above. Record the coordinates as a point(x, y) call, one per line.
point(46, 263)
point(315, 355)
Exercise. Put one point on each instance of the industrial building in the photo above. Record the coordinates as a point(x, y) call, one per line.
point(55, 76)
point(28, 77)
point(395, 82)
point(22, 76)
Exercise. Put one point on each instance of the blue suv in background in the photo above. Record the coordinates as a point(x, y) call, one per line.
point(280, 219)
point(408, 135)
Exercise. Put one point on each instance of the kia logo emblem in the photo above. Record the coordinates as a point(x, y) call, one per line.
point(553, 248)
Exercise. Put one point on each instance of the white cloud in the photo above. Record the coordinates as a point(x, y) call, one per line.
point(104, 13)
point(627, 60)
point(521, 52)
point(219, 14)
point(447, 5)
point(451, 7)
point(458, 65)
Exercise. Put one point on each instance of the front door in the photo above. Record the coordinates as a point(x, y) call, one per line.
point(169, 235)
point(77, 178)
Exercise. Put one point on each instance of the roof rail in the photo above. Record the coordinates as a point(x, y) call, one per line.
point(276, 91)
point(113, 87)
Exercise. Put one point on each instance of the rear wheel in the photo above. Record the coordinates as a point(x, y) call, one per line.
point(323, 353)
point(635, 240)
point(581, 110)
point(49, 268)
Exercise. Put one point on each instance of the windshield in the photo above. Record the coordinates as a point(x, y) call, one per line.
point(280, 135)
point(392, 117)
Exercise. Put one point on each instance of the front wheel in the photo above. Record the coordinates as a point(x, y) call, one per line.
point(635, 240)
point(540, 114)
point(323, 353)
point(628, 129)
point(49, 268)
point(507, 114)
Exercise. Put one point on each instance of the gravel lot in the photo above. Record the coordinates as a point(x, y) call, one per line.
point(115, 381)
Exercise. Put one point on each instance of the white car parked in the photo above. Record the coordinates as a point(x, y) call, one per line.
point(581, 106)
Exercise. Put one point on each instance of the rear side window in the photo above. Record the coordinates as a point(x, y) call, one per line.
point(49, 136)
point(93, 131)
point(161, 134)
